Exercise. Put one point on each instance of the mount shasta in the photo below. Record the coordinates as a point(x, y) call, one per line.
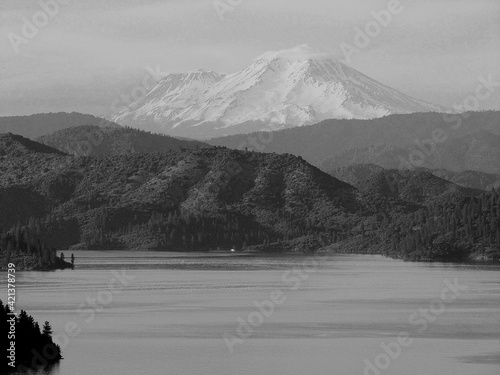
point(288, 88)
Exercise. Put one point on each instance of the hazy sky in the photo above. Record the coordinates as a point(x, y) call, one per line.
point(92, 51)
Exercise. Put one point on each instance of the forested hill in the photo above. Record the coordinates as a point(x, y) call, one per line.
point(13, 145)
point(91, 140)
point(27, 247)
point(194, 199)
point(420, 186)
point(358, 174)
point(330, 138)
point(457, 228)
point(218, 198)
point(471, 179)
point(34, 126)
point(479, 151)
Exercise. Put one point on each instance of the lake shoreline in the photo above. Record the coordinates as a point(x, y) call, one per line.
point(263, 255)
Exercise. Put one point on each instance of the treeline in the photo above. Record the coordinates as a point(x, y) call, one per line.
point(26, 347)
point(184, 230)
point(455, 229)
point(29, 247)
point(113, 140)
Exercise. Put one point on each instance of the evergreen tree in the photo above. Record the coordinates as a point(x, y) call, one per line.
point(47, 330)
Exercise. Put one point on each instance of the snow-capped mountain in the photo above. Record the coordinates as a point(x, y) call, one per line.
point(288, 88)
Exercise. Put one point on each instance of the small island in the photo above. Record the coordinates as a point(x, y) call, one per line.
point(28, 347)
point(22, 246)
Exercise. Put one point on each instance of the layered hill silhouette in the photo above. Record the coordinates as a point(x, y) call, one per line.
point(470, 179)
point(17, 145)
point(479, 151)
point(91, 140)
point(335, 143)
point(108, 201)
point(358, 174)
point(209, 198)
point(37, 125)
point(420, 186)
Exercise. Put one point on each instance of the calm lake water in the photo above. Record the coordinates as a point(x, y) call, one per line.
point(171, 313)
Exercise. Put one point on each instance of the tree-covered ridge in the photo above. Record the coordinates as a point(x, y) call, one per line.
point(16, 145)
point(33, 347)
point(92, 140)
point(420, 186)
point(108, 201)
point(455, 228)
point(214, 198)
point(466, 146)
point(36, 125)
point(236, 197)
point(470, 179)
point(479, 151)
point(29, 247)
point(359, 174)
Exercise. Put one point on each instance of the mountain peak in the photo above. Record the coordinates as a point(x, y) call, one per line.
point(291, 87)
point(203, 72)
point(194, 74)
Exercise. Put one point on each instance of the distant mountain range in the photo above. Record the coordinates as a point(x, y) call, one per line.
point(35, 126)
point(91, 140)
point(288, 88)
point(471, 142)
point(360, 175)
point(392, 142)
point(479, 151)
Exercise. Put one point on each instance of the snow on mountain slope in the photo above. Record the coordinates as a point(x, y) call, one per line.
point(173, 98)
point(287, 88)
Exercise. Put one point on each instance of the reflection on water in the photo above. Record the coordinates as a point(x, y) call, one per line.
point(488, 358)
point(169, 314)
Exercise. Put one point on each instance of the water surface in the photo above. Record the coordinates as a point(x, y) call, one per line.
point(171, 314)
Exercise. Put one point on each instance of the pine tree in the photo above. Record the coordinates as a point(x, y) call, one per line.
point(47, 330)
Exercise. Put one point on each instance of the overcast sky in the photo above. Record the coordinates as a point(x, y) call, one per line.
point(92, 51)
